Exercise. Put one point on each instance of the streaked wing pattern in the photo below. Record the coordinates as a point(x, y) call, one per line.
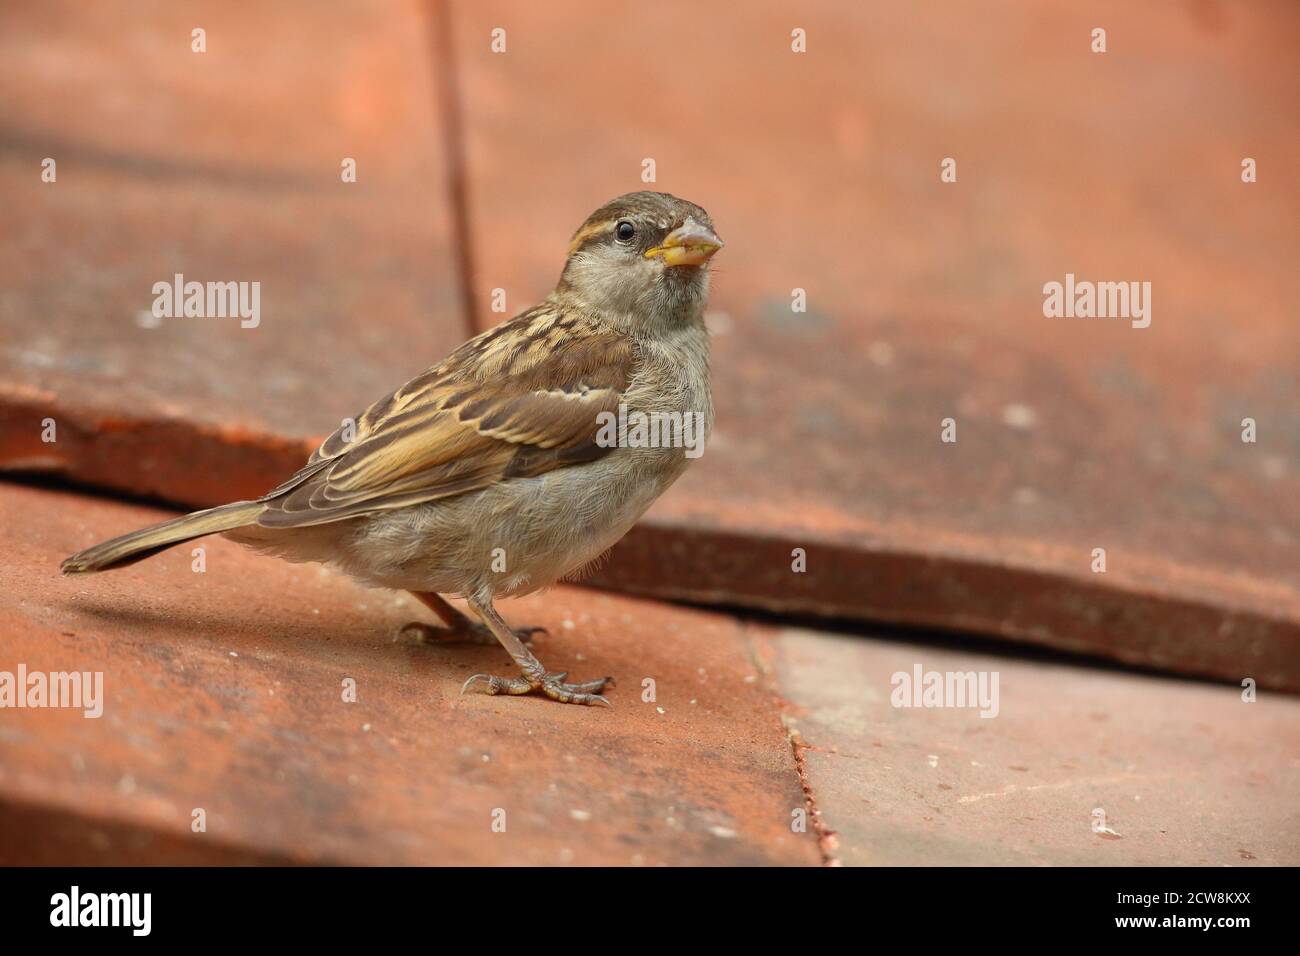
point(516, 401)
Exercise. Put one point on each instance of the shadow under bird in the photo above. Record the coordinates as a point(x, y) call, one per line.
point(486, 476)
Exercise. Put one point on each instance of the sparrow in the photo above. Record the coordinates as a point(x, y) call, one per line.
point(494, 473)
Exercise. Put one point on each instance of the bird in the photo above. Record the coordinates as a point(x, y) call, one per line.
point(515, 462)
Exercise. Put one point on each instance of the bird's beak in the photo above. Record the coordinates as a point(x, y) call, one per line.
point(688, 245)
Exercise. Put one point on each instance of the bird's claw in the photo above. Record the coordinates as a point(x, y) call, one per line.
point(552, 685)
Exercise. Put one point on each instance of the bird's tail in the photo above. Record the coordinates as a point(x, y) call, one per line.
point(138, 545)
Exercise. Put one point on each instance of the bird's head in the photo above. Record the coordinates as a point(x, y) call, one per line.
point(642, 260)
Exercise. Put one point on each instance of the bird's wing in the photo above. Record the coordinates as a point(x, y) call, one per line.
point(519, 400)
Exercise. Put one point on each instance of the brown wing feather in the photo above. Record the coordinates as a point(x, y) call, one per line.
point(519, 400)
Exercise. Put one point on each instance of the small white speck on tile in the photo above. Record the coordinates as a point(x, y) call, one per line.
point(932, 759)
point(1018, 415)
point(233, 654)
point(660, 709)
point(487, 757)
point(365, 728)
point(567, 624)
point(1025, 496)
point(725, 833)
point(750, 678)
point(582, 815)
point(580, 656)
point(692, 700)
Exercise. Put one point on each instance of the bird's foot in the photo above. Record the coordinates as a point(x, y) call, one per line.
point(552, 685)
point(464, 631)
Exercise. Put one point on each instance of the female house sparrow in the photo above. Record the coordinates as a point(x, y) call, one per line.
point(487, 476)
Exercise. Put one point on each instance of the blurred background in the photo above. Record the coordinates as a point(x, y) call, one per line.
point(816, 135)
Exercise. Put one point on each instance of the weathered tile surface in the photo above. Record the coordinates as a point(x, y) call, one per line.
point(1186, 773)
point(925, 301)
point(220, 166)
point(822, 171)
point(223, 691)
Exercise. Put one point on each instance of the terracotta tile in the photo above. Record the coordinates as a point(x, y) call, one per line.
point(925, 301)
point(1073, 436)
point(1185, 773)
point(220, 166)
point(223, 691)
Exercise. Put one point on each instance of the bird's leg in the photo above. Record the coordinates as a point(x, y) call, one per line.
point(460, 629)
point(535, 677)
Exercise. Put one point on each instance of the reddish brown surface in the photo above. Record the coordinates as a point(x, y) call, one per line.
point(1138, 619)
point(223, 691)
point(925, 302)
point(821, 170)
point(221, 166)
point(1187, 773)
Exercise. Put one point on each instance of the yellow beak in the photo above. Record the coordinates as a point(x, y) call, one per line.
point(688, 245)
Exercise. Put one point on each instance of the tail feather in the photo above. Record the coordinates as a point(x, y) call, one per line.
point(138, 545)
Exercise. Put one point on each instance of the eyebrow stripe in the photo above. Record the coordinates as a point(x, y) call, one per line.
point(587, 232)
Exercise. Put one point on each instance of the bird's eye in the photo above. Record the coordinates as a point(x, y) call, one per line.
point(624, 231)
